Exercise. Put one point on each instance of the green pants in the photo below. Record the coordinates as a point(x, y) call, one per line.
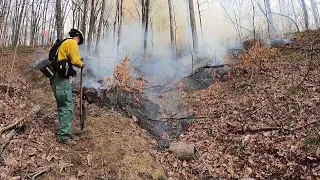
point(63, 93)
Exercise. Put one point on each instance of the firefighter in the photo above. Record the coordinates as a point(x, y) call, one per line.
point(68, 56)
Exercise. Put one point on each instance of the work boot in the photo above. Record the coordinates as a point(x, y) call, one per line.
point(68, 141)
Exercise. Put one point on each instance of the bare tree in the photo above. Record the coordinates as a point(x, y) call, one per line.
point(305, 14)
point(315, 12)
point(117, 25)
point(294, 11)
point(100, 25)
point(18, 24)
point(200, 19)
point(84, 17)
point(193, 28)
point(91, 24)
point(59, 20)
point(145, 24)
point(269, 18)
point(172, 34)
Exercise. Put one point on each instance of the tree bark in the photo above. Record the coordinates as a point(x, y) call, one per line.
point(172, 34)
point(200, 19)
point(84, 17)
point(120, 19)
point(193, 29)
point(269, 19)
point(91, 25)
point(294, 12)
point(315, 12)
point(100, 25)
point(145, 21)
point(59, 20)
point(305, 14)
point(17, 29)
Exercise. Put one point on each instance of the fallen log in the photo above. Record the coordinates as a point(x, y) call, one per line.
point(21, 121)
point(182, 151)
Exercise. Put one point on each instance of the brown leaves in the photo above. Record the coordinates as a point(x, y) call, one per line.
point(257, 56)
point(123, 79)
point(256, 101)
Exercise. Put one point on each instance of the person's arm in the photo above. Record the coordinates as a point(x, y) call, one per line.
point(74, 54)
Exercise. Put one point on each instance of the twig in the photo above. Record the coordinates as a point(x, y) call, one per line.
point(9, 126)
point(180, 118)
point(288, 18)
point(263, 129)
point(40, 171)
point(309, 65)
point(266, 73)
point(7, 140)
point(48, 115)
point(303, 126)
point(33, 111)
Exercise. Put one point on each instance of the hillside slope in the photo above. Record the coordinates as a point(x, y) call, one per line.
point(263, 121)
point(110, 147)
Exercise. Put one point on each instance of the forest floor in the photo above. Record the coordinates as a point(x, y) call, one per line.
point(261, 124)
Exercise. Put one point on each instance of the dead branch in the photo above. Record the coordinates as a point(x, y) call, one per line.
point(303, 126)
point(264, 129)
point(40, 171)
point(21, 121)
point(181, 118)
point(309, 65)
point(288, 18)
point(7, 140)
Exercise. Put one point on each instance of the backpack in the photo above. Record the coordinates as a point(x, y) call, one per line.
point(63, 68)
point(53, 53)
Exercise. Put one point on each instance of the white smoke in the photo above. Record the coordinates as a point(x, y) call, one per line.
point(160, 67)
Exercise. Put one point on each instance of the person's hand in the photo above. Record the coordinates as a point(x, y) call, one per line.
point(83, 65)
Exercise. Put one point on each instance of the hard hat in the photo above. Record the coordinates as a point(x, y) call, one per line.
point(74, 32)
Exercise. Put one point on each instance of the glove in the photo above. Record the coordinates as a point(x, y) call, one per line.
point(83, 65)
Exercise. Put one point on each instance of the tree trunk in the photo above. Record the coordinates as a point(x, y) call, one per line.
point(120, 19)
point(315, 13)
point(269, 19)
point(146, 19)
point(200, 19)
point(91, 25)
point(172, 38)
point(44, 21)
point(18, 25)
point(25, 24)
point(84, 17)
point(305, 14)
point(294, 12)
point(193, 29)
point(100, 26)
point(115, 21)
point(281, 6)
point(59, 20)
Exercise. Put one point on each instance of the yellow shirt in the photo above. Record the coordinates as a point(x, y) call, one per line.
point(69, 50)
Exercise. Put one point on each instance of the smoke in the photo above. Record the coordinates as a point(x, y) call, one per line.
point(160, 67)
